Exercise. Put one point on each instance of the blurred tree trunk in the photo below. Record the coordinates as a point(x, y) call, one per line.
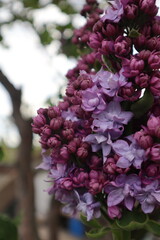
point(28, 230)
point(54, 219)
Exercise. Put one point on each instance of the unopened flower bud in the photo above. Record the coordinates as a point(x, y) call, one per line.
point(114, 212)
point(64, 153)
point(54, 112)
point(144, 54)
point(68, 133)
point(56, 123)
point(122, 46)
point(131, 11)
point(142, 80)
point(148, 7)
point(95, 40)
point(155, 153)
point(46, 131)
point(154, 61)
point(153, 125)
point(129, 93)
point(153, 43)
point(82, 152)
point(155, 84)
point(143, 139)
point(152, 170)
point(39, 120)
point(53, 142)
point(66, 183)
point(63, 105)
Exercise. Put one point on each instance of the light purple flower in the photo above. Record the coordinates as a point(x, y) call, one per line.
point(123, 189)
point(129, 154)
point(111, 120)
point(110, 82)
point(46, 161)
point(69, 115)
point(58, 170)
point(89, 207)
point(92, 100)
point(114, 11)
point(149, 197)
point(99, 141)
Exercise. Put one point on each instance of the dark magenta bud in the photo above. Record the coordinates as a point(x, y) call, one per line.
point(154, 60)
point(131, 11)
point(144, 55)
point(95, 40)
point(63, 105)
point(152, 170)
point(39, 120)
point(56, 123)
point(68, 133)
point(53, 142)
point(82, 152)
point(155, 153)
point(66, 183)
point(46, 131)
point(107, 47)
point(142, 80)
point(153, 125)
point(143, 139)
point(148, 7)
point(155, 84)
point(122, 46)
point(114, 212)
point(129, 93)
point(64, 153)
point(153, 43)
point(54, 112)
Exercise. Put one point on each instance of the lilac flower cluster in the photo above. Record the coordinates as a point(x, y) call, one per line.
point(97, 151)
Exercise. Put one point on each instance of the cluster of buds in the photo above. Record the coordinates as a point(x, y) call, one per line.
point(102, 141)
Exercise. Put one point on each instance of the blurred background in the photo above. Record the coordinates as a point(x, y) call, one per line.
point(35, 54)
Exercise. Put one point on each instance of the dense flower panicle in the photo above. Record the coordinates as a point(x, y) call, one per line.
point(102, 141)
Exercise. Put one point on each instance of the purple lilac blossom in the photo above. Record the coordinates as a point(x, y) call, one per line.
point(69, 115)
point(123, 189)
point(110, 82)
point(111, 120)
point(149, 196)
point(98, 142)
point(92, 100)
point(46, 161)
point(114, 11)
point(89, 206)
point(58, 170)
point(129, 154)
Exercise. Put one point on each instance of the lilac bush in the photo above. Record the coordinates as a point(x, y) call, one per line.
point(101, 143)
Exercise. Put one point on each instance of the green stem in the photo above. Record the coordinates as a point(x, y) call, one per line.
point(119, 234)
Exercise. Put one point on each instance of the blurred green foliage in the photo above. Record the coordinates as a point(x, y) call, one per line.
point(1, 154)
point(24, 11)
point(8, 228)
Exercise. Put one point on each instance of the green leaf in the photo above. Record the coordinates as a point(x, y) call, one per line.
point(153, 227)
point(8, 229)
point(142, 106)
point(133, 33)
point(98, 232)
point(45, 37)
point(66, 7)
point(119, 234)
point(132, 220)
point(1, 154)
point(92, 223)
point(31, 3)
